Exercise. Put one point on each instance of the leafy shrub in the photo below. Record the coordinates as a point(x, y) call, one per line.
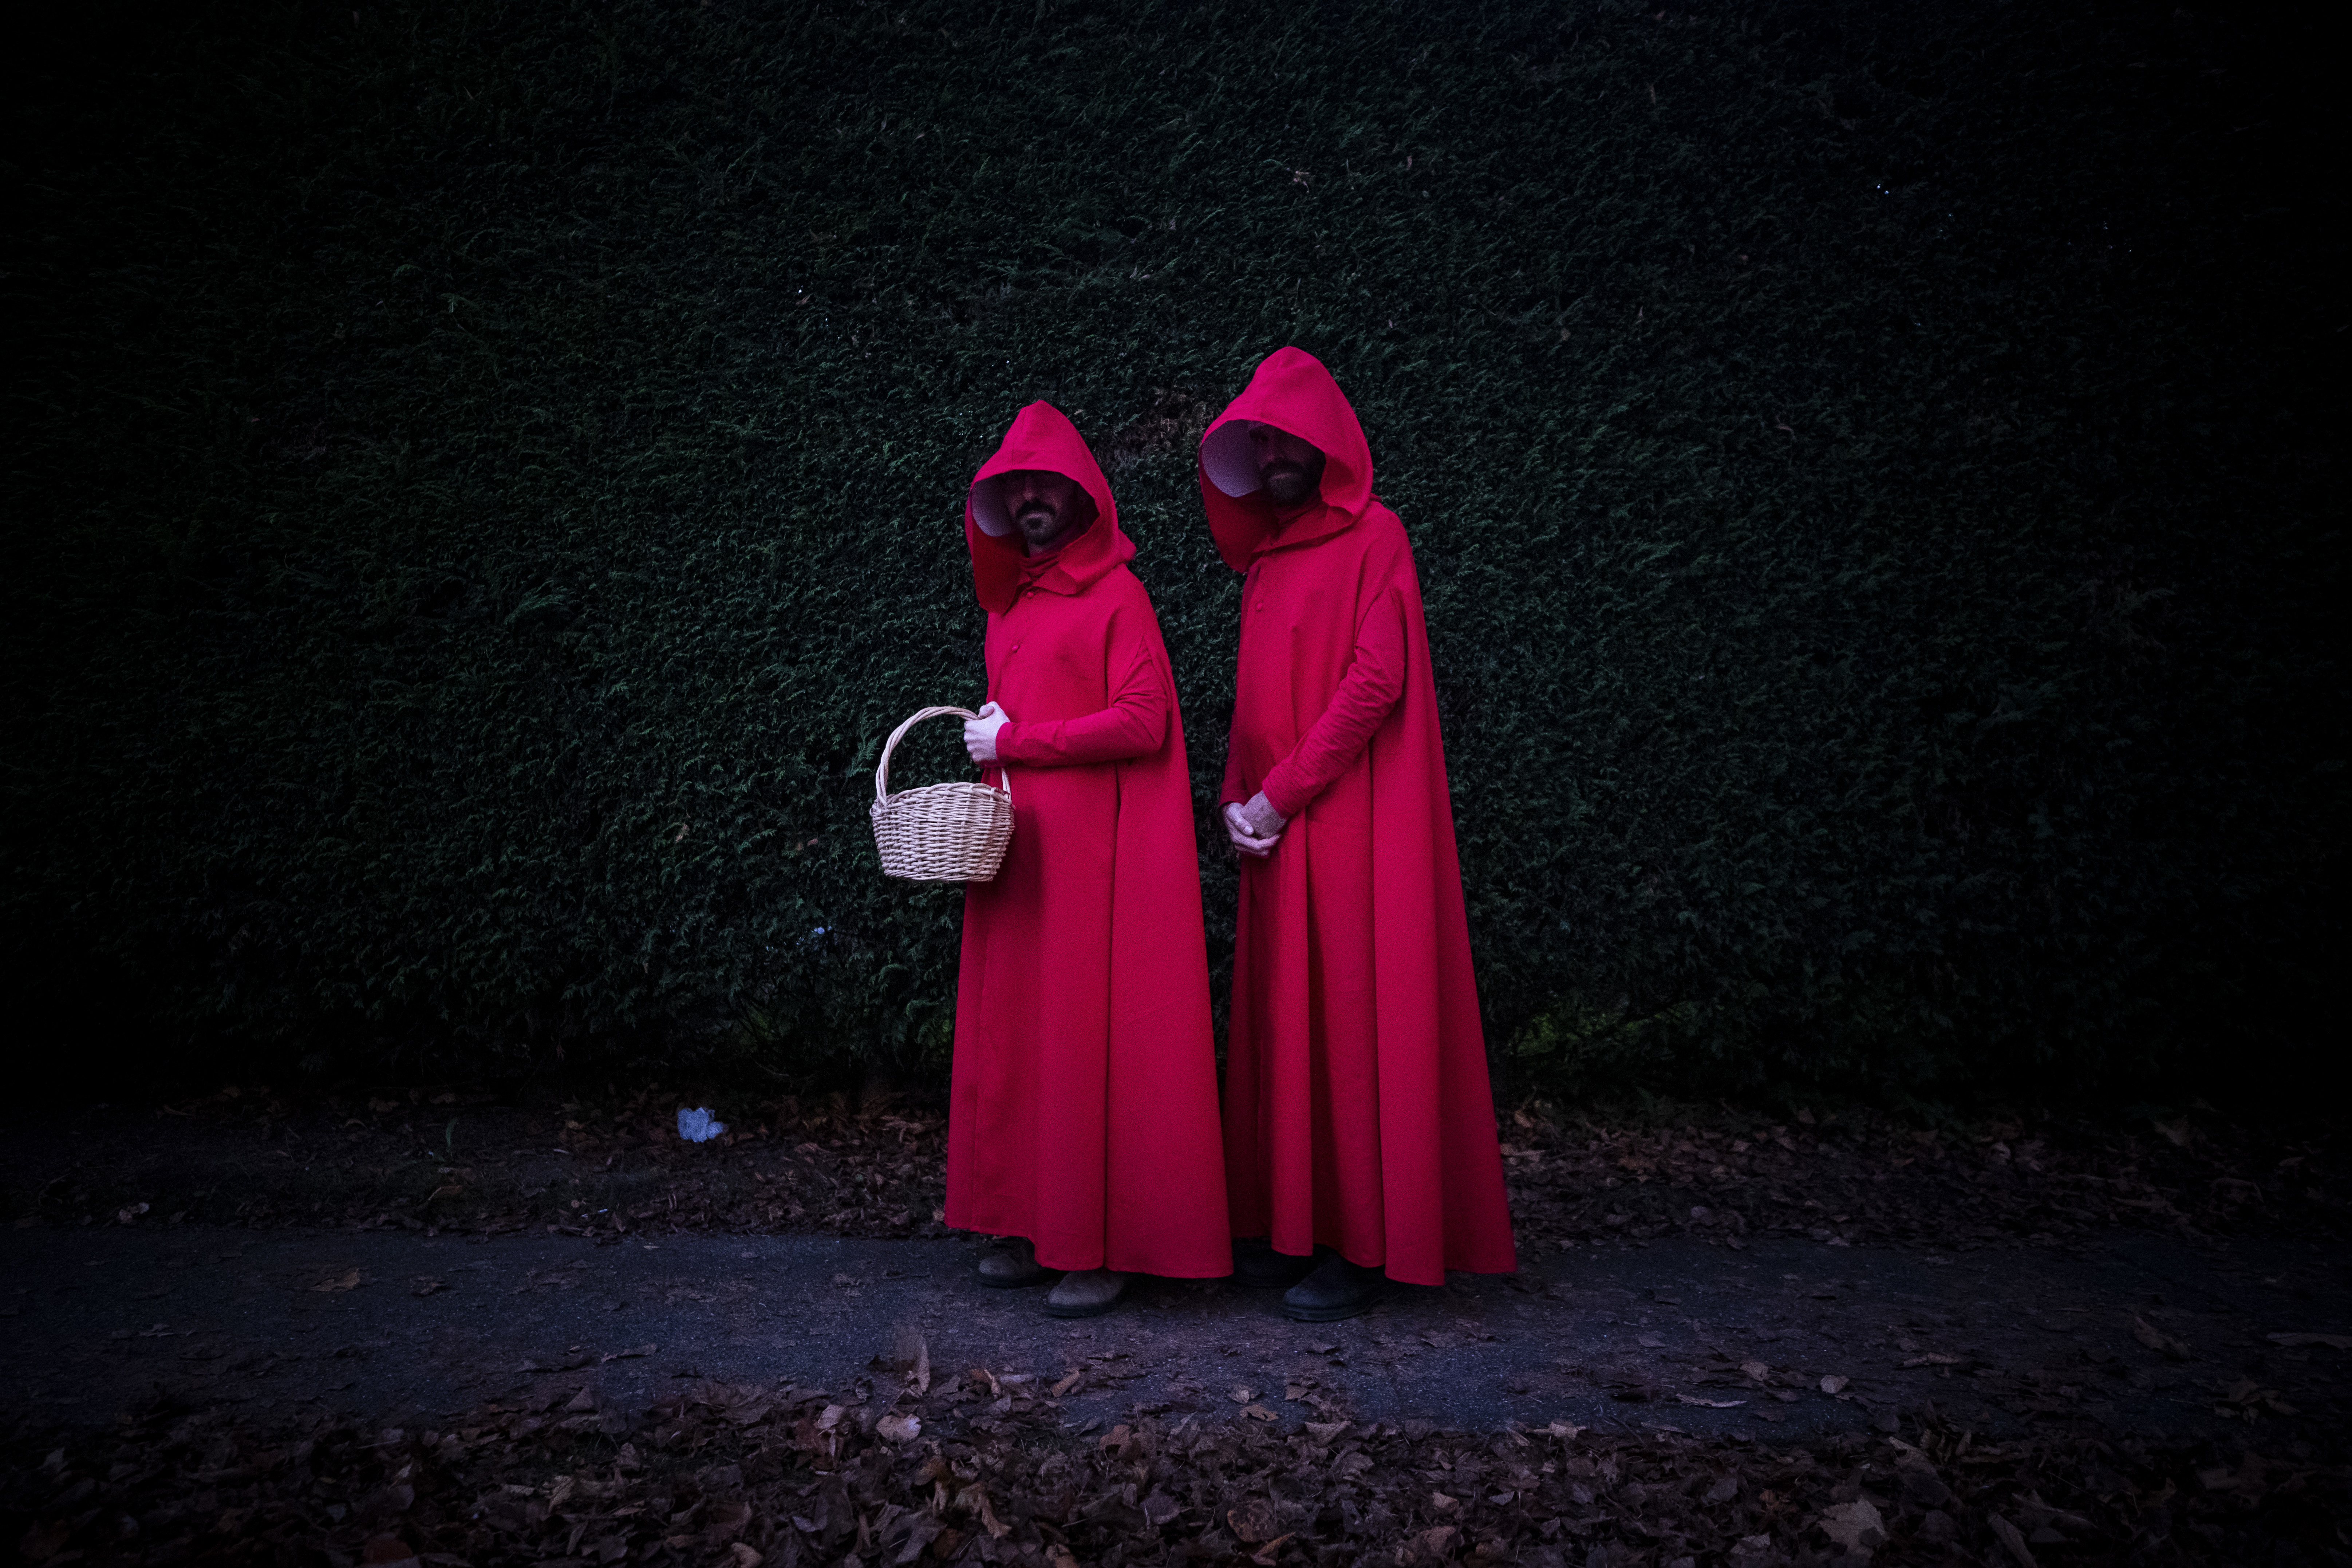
point(486, 479)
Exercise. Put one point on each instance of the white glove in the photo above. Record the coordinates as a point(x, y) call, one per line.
point(979, 733)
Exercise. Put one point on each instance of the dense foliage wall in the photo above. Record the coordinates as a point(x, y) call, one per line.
point(484, 478)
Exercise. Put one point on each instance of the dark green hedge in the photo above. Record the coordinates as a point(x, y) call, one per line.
point(485, 476)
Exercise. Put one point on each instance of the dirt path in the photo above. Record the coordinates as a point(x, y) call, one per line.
point(430, 1325)
point(403, 1328)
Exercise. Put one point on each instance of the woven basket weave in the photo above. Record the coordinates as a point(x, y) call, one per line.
point(943, 833)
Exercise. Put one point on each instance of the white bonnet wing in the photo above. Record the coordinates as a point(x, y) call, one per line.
point(987, 502)
point(1227, 458)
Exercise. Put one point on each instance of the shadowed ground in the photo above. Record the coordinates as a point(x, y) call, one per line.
point(407, 1329)
point(552, 1333)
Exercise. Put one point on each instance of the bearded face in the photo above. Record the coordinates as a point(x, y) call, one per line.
point(1047, 508)
point(1289, 466)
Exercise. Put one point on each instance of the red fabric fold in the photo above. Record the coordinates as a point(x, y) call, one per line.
point(1083, 1106)
point(1358, 1112)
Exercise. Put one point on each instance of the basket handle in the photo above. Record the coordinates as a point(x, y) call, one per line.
point(882, 770)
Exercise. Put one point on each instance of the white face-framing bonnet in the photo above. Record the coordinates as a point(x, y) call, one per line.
point(1229, 458)
point(987, 502)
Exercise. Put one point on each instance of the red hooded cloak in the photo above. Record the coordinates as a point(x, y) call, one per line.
point(1083, 1113)
point(1357, 1112)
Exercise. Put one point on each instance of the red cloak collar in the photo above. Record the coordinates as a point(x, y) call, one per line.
point(1292, 391)
point(1042, 436)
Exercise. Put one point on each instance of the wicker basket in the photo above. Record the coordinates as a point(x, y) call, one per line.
point(944, 833)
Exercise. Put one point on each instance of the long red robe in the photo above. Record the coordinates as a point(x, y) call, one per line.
point(1083, 1113)
point(1358, 1112)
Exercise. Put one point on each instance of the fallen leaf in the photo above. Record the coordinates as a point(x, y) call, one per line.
point(637, 1354)
point(1253, 1521)
point(1709, 1404)
point(1069, 1383)
point(1266, 1554)
point(831, 1418)
point(1652, 1343)
point(2156, 1339)
point(1259, 1412)
point(1442, 1503)
point(745, 1555)
point(2013, 1539)
point(900, 1428)
point(976, 1500)
point(1566, 1430)
point(2334, 1342)
point(344, 1282)
point(1855, 1525)
point(1756, 1369)
point(1116, 1438)
point(1933, 1359)
point(1159, 1509)
point(1325, 1431)
point(1242, 1393)
point(425, 1284)
point(388, 1551)
point(1834, 1383)
point(129, 1215)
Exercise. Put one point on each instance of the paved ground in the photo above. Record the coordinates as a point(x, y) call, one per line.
point(2134, 1331)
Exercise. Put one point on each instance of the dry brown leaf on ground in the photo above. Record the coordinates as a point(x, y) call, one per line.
point(2156, 1339)
point(2013, 1539)
point(346, 1280)
point(1855, 1525)
point(1253, 1521)
point(2334, 1342)
point(426, 1284)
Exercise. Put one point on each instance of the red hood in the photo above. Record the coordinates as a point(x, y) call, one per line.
point(1292, 391)
point(1042, 438)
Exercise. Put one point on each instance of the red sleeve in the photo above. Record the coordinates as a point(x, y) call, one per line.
point(1374, 681)
point(1134, 725)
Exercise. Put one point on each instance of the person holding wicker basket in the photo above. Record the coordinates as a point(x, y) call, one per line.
point(1082, 1120)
